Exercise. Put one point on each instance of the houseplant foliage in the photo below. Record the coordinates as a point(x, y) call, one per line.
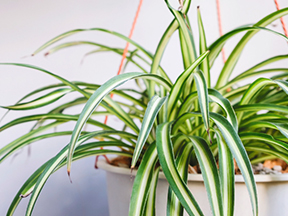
point(185, 122)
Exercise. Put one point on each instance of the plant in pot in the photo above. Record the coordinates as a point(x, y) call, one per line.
point(167, 125)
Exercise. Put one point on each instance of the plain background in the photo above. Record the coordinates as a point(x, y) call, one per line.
point(25, 25)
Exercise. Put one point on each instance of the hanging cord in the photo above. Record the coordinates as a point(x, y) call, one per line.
point(220, 28)
point(281, 19)
point(127, 46)
point(121, 66)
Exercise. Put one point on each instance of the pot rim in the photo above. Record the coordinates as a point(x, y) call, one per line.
point(194, 177)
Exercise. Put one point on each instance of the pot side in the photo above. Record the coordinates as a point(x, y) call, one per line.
point(272, 193)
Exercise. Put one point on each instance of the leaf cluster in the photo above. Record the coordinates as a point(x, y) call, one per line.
point(167, 125)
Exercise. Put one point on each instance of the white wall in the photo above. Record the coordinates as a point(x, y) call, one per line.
point(25, 25)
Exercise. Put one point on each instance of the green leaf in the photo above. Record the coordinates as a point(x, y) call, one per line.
point(216, 97)
point(239, 153)
point(226, 172)
point(173, 26)
point(96, 99)
point(185, 36)
point(283, 128)
point(40, 102)
point(13, 145)
point(203, 97)
point(24, 142)
point(174, 207)
point(117, 111)
point(263, 117)
point(30, 183)
point(28, 186)
point(217, 45)
point(204, 66)
point(263, 137)
point(104, 48)
point(59, 158)
point(142, 182)
point(258, 107)
point(209, 172)
point(254, 147)
point(248, 76)
point(58, 117)
point(150, 208)
point(187, 44)
point(236, 147)
point(187, 103)
point(166, 158)
point(256, 87)
point(234, 56)
point(121, 36)
point(66, 82)
point(150, 115)
point(187, 57)
point(177, 87)
point(262, 64)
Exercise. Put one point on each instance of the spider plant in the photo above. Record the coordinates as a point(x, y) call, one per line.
point(168, 125)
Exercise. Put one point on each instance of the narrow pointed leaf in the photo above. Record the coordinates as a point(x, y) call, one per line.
point(256, 87)
point(120, 113)
point(186, 35)
point(173, 26)
point(204, 66)
point(234, 56)
point(27, 136)
point(56, 161)
point(59, 117)
point(210, 174)
point(31, 185)
point(22, 143)
point(66, 82)
point(176, 89)
point(236, 147)
point(225, 104)
point(150, 115)
point(142, 182)
point(263, 137)
point(203, 99)
point(262, 64)
point(174, 207)
point(121, 36)
point(40, 102)
point(166, 158)
point(217, 45)
point(239, 153)
point(150, 208)
point(226, 172)
point(283, 128)
point(96, 99)
point(258, 107)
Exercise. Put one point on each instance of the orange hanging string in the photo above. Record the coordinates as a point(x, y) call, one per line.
point(281, 19)
point(127, 46)
point(121, 65)
point(220, 27)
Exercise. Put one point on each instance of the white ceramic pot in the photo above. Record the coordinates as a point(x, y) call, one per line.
point(272, 193)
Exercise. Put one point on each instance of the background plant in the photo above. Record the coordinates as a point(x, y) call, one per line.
point(130, 123)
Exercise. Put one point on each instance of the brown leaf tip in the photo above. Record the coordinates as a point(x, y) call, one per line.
point(26, 195)
point(68, 172)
